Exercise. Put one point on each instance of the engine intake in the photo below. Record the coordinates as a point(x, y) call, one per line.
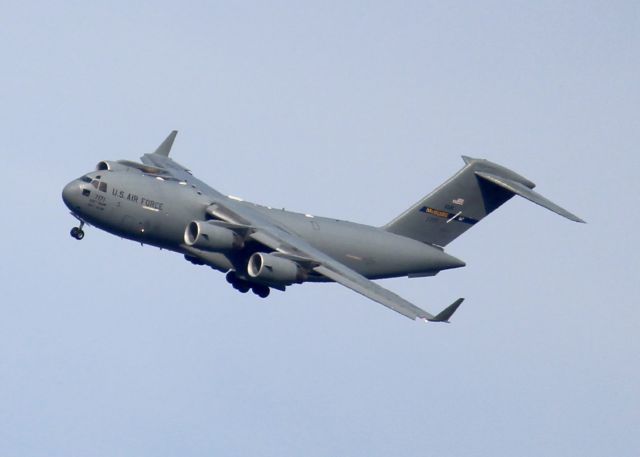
point(210, 237)
point(270, 268)
point(108, 165)
point(128, 165)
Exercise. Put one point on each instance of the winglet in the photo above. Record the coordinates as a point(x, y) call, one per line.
point(165, 147)
point(446, 313)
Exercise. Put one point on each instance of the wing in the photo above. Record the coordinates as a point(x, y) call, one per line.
point(275, 236)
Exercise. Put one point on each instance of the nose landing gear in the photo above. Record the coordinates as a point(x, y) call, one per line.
point(76, 232)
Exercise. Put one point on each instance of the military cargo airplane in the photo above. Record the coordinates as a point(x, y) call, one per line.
point(160, 203)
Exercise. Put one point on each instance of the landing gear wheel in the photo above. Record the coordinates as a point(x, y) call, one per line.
point(77, 233)
point(243, 287)
point(261, 291)
point(238, 284)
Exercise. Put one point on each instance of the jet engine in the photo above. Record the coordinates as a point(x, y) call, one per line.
point(270, 268)
point(108, 165)
point(211, 237)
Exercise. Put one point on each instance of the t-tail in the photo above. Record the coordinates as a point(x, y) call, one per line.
point(474, 192)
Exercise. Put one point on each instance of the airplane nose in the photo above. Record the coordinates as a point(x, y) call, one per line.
point(69, 194)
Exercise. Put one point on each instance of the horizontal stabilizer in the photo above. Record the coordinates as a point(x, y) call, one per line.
point(446, 313)
point(525, 192)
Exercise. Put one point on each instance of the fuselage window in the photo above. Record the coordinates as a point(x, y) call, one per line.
point(103, 187)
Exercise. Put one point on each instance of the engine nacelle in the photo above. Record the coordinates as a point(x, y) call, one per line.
point(128, 165)
point(109, 165)
point(210, 237)
point(270, 268)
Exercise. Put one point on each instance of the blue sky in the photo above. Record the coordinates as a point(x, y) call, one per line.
point(347, 109)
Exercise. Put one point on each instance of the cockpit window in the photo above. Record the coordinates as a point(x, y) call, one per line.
point(103, 187)
point(94, 183)
point(85, 179)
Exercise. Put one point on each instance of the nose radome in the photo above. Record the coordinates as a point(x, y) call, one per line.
point(69, 192)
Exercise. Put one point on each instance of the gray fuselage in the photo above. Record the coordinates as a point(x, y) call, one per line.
point(154, 210)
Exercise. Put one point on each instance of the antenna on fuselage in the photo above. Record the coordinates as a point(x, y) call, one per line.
point(165, 147)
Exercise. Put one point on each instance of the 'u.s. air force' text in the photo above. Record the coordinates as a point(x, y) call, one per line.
point(145, 202)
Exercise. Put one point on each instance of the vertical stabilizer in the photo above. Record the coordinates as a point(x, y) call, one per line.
point(478, 189)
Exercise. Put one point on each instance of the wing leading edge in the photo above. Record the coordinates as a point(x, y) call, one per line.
point(269, 233)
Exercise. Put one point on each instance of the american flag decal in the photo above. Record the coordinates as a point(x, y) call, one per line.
point(458, 201)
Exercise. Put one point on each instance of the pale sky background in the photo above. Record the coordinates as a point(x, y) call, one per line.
point(345, 109)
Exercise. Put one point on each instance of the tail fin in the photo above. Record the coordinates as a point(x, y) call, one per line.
point(474, 192)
